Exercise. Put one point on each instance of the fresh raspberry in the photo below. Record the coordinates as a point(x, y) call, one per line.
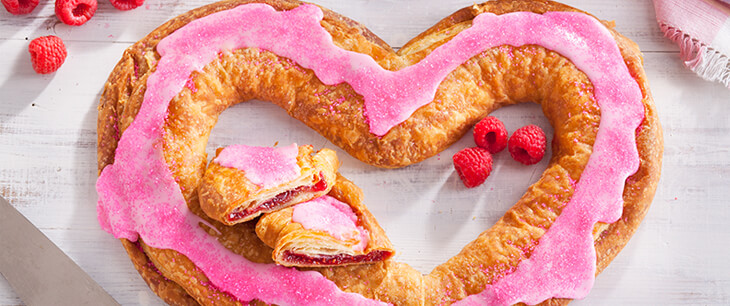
point(47, 54)
point(473, 165)
point(527, 144)
point(75, 12)
point(19, 7)
point(125, 5)
point(491, 134)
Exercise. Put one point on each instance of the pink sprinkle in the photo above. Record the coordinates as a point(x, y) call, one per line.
point(190, 84)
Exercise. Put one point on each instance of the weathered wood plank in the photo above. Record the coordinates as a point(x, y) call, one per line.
point(48, 170)
point(395, 21)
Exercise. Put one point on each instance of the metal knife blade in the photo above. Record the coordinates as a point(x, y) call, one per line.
point(39, 272)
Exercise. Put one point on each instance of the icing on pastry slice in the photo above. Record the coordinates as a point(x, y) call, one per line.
point(242, 182)
point(331, 230)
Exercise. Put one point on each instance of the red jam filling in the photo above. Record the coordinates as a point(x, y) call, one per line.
point(279, 199)
point(339, 259)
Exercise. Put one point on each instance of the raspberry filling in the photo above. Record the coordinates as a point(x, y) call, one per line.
point(279, 200)
point(338, 259)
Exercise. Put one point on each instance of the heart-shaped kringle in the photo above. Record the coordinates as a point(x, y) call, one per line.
point(165, 95)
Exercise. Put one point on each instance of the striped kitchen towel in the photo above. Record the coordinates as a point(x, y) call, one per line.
point(702, 30)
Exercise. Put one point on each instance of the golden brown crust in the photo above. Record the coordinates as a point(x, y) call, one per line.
point(168, 291)
point(226, 191)
point(279, 231)
point(482, 84)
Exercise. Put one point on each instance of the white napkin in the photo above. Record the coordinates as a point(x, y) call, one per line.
point(702, 30)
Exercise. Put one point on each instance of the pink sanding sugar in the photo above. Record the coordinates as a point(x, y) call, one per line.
point(329, 215)
point(263, 166)
point(139, 197)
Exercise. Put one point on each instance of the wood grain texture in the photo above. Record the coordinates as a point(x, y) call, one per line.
point(48, 155)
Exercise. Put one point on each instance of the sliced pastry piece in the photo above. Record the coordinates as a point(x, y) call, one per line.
point(332, 230)
point(242, 182)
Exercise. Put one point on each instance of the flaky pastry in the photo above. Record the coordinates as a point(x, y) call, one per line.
point(229, 196)
point(495, 77)
point(295, 244)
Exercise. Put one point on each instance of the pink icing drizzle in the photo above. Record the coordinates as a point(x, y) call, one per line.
point(329, 215)
point(564, 263)
point(263, 166)
point(139, 197)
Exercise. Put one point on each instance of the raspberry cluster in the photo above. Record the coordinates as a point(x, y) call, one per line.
point(473, 165)
point(48, 53)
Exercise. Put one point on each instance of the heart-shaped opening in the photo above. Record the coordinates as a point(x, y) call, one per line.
point(425, 210)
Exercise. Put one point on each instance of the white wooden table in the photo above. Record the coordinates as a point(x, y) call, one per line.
point(48, 155)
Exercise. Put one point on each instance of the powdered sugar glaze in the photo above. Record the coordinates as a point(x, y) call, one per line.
point(138, 196)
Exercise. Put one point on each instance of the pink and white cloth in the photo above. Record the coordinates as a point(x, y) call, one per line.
point(702, 30)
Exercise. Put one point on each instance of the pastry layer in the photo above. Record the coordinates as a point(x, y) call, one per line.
point(233, 195)
point(325, 232)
